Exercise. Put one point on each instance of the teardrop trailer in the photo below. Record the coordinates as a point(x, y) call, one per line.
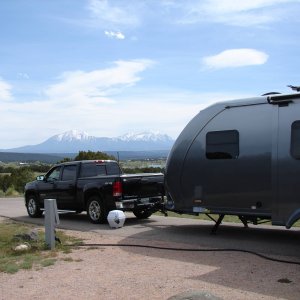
point(241, 158)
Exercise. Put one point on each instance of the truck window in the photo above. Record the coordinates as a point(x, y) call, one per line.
point(69, 173)
point(92, 169)
point(222, 144)
point(295, 140)
point(113, 169)
point(54, 174)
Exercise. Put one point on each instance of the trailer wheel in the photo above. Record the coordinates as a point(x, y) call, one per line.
point(142, 213)
point(33, 207)
point(96, 210)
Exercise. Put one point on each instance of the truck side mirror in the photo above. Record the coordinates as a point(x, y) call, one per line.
point(40, 177)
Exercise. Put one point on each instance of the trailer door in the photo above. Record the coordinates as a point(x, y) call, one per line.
point(288, 163)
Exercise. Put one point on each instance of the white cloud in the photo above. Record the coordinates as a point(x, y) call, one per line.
point(78, 85)
point(115, 34)
point(231, 6)
point(120, 14)
point(5, 91)
point(80, 99)
point(164, 111)
point(101, 102)
point(107, 13)
point(23, 75)
point(234, 58)
point(237, 13)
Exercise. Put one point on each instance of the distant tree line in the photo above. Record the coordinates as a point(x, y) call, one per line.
point(14, 178)
point(90, 155)
point(142, 170)
point(34, 168)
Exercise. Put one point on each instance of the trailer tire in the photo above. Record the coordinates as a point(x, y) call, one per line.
point(142, 213)
point(33, 207)
point(96, 210)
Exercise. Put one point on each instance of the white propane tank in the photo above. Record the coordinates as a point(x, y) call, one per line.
point(116, 218)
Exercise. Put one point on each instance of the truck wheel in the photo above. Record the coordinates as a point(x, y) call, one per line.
point(33, 207)
point(96, 210)
point(141, 213)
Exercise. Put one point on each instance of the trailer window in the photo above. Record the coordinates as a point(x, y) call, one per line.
point(222, 144)
point(295, 140)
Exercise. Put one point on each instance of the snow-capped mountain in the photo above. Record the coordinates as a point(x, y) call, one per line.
point(145, 136)
point(72, 135)
point(73, 141)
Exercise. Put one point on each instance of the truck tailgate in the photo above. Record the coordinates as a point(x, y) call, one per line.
point(142, 185)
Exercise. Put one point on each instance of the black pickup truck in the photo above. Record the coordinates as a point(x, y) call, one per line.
point(95, 186)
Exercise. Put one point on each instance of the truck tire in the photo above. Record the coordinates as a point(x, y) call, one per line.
point(142, 213)
point(96, 210)
point(33, 207)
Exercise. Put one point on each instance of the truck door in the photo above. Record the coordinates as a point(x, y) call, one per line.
point(288, 163)
point(66, 188)
point(47, 187)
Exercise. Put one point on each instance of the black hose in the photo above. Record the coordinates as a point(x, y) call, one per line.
point(190, 250)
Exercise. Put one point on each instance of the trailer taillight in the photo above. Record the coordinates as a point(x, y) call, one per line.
point(117, 189)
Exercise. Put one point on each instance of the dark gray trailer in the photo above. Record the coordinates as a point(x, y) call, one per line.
point(239, 158)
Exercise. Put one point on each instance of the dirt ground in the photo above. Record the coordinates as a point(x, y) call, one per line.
point(115, 272)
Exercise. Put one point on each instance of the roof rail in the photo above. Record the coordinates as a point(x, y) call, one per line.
point(271, 93)
point(277, 99)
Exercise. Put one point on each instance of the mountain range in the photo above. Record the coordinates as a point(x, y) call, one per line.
point(74, 141)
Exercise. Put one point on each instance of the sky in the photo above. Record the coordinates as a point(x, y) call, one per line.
point(109, 67)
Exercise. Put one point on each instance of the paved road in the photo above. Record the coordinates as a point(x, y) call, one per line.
point(269, 240)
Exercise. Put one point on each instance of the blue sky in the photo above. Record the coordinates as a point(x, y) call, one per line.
point(109, 67)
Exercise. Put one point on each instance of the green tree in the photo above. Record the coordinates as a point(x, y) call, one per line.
point(65, 159)
point(5, 182)
point(20, 176)
point(87, 155)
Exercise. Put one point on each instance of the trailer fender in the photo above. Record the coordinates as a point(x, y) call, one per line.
point(295, 216)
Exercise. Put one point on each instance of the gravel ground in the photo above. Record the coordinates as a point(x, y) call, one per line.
point(141, 273)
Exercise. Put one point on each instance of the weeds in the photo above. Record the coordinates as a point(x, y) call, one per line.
point(36, 256)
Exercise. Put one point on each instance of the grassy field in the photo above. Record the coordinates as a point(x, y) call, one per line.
point(147, 163)
point(37, 256)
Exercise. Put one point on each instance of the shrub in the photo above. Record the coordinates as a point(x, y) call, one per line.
point(11, 192)
point(83, 155)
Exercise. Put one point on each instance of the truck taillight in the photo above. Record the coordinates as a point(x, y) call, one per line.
point(117, 189)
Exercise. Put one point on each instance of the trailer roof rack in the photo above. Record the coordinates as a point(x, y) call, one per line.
point(277, 99)
point(271, 93)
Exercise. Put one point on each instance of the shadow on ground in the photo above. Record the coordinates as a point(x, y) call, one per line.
point(240, 270)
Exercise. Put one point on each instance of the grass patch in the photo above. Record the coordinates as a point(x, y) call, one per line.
point(69, 259)
point(12, 235)
point(48, 262)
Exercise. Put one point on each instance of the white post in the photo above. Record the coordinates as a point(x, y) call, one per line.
point(51, 219)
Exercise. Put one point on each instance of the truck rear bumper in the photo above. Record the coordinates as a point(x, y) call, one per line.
point(136, 203)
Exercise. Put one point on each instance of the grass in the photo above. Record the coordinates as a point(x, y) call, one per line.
point(37, 256)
